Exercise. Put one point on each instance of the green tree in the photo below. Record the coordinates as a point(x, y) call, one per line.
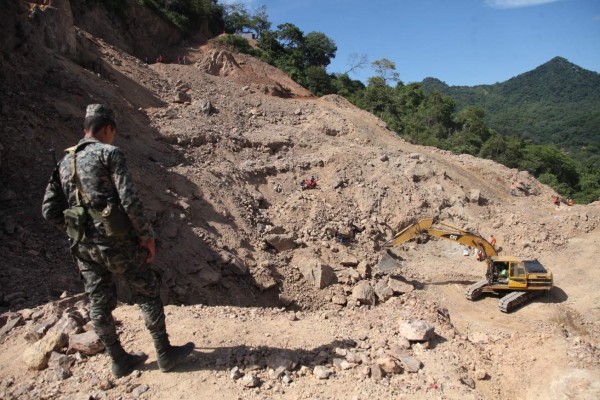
point(472, 120)
point(237, 18)
point(290, 36)
point(318, 81)
point(349, 88)
point(550, 161)
point(513, 154)
point(319, 49)
point(270, 47)
point(259, 21)
point(376, 96)
point(386, 70)
point(411, 96)
point(494, 147)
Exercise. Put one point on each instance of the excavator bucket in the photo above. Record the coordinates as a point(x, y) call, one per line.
point(389, 261)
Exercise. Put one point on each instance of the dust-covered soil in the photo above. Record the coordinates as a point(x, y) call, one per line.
point(278, 287)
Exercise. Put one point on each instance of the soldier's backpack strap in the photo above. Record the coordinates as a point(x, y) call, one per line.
point(75, 178)
point(76, 216)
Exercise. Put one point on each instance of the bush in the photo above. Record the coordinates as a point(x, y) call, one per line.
point(236, 43)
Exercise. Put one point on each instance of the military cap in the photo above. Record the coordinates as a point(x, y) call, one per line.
point(99, 110)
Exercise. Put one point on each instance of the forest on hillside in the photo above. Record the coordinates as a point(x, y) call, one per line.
point(426, 117)
point(556, 103)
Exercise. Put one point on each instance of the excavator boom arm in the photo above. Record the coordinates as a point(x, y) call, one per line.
point(456, 234)
point(410, 232)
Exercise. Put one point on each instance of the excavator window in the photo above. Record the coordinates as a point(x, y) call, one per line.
point(517, 269)
point(501, 266)
point(500, 272)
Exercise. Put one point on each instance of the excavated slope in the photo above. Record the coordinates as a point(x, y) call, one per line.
point(218, 148)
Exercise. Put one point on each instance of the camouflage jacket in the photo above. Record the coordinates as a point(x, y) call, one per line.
point(104, 176)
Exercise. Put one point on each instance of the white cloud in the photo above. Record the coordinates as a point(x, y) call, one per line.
point(503, 4)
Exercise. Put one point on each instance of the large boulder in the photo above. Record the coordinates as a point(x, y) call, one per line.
point(474, 196)
point(364, 270)
point(11, 321)
point(288, 361)
point(281, 242)
point(411, 364)
point(399, 287)
point(316, 272)
point(389, 365)
point(68, 324)
point(182, 97)
point(37, 355)
point(364, 293)
point(383, 291)
point(36, 332)
point(416, 330)
point(87, 343)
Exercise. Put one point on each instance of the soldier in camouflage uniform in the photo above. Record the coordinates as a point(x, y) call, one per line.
point(101, 178)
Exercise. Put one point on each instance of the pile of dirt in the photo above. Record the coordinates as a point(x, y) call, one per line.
point(218, 148)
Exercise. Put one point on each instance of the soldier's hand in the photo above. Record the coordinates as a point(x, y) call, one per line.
point(149, 245)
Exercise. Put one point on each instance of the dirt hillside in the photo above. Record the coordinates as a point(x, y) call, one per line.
point(280, 288)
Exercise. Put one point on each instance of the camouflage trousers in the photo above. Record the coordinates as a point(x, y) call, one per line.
point(125, 258)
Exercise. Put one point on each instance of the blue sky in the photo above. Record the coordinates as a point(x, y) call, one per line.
point(461, 42)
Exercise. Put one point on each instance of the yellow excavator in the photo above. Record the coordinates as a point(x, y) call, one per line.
point(521, 279)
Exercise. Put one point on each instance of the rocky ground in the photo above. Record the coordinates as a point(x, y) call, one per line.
point(251, 264)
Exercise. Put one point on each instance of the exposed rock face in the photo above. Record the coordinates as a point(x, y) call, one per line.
point(145, 36)
point(219, 63)
point(49, 26)
point(56, 22)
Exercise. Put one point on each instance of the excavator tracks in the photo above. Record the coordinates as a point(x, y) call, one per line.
point(475, 290)
point(514, 299)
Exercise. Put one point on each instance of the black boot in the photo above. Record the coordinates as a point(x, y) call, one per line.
point(169, 356)
point(123, 363)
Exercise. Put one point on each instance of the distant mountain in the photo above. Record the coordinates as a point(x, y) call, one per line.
point(556, 103)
